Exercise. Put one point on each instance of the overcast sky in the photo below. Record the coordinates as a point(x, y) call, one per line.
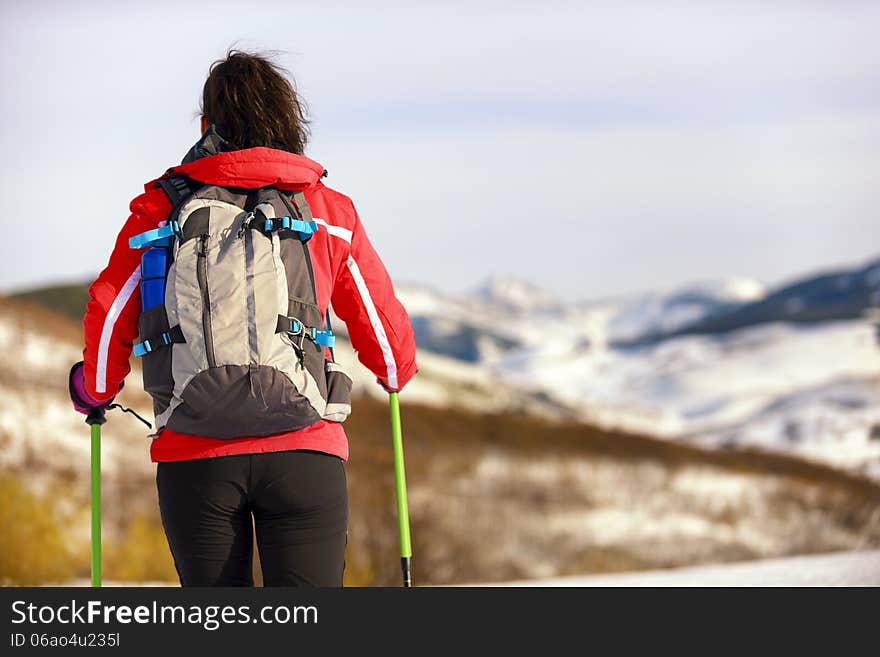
point(594, 149)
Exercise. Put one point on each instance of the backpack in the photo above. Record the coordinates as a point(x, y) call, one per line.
point(230, 331)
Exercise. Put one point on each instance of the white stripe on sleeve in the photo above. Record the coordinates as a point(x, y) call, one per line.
point(336, 231)
point(109, 322)
point(378, 329)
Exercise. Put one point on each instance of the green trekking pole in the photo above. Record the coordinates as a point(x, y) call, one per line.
point(95, 419)
point(400, 483)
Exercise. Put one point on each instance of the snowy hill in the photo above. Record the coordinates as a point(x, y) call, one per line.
point(845, 294)
point(500, 316)
point(722, 363)
point(810, 390)
point(37, 428)
point(515, 295)
point(660, 314)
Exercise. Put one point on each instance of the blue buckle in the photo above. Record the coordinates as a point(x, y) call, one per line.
point(304, 227)
point(142, 349)
point(323, 338)
point(288, 223)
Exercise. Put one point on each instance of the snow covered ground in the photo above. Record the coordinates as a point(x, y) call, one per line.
point(839, 569)
point(37, 426)
point(813, 390)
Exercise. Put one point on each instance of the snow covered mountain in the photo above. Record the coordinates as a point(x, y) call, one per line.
point(660, 314)
point(844, 294)
point(498, 317)
point(515, 295)
point(724, 363)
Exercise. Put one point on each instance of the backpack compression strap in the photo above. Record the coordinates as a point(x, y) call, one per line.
point(266, 225)
point(164, 339)
point(292, 326)
point(157, 237)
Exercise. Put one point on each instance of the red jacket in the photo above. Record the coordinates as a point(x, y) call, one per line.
point(348, 274)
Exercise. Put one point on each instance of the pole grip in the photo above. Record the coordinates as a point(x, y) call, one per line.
point(400, 486)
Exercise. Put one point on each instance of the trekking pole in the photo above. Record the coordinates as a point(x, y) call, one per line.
point(95, 419)
point(400, 483)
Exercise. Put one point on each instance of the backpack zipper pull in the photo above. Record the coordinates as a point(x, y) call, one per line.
point(203, 245)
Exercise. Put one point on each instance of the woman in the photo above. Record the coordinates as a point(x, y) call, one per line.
point(221, 280)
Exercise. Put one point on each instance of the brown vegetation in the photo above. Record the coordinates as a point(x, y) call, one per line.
point(471, 526)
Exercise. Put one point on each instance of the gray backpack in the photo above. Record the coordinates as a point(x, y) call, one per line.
point(230, 332)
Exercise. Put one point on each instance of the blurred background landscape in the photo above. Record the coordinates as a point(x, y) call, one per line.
point(716, 423)
point(638, 243)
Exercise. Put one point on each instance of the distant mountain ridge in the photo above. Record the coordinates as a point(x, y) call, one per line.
point(843, 294)
point(456, 326)
point(667, 313)
point(517, 295)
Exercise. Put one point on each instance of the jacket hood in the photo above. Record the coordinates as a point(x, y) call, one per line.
point(213, 161)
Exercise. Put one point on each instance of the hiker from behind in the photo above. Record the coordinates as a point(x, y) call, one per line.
point(220, 282)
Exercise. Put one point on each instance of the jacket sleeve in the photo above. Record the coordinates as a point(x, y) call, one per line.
point(110, 325)
point(378, 325)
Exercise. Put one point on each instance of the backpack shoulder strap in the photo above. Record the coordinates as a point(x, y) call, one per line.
point(305, 213)
point(177, 188)
point(302, 208)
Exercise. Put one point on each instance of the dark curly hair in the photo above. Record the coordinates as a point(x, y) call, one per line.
point(253, 102)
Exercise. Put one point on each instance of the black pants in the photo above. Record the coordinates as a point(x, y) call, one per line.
point(297, 500)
